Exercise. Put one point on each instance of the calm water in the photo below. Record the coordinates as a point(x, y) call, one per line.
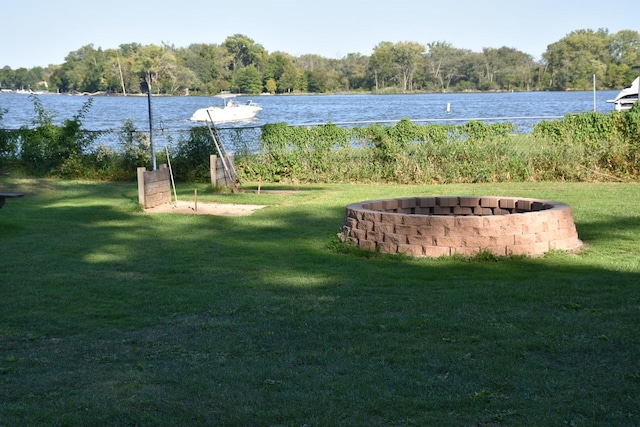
point(171, 114)
point(174, 112)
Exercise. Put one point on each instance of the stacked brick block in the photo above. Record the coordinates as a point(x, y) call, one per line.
point(444, 226)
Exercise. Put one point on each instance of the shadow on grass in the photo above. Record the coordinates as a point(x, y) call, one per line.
point(611, 228)
point(114, 316)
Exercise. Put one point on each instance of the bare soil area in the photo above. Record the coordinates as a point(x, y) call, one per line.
point(219, 209)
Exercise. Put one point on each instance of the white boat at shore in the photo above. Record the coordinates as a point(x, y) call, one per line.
point(627, 97)
point(228, 111)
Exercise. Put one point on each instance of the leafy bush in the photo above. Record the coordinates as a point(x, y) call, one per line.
point(46, 147)
point(580, 147)
point(299, 153)
point(602, 145)
point(8, 145)
point(132, 150)
point(190, 158)
point(135, 147)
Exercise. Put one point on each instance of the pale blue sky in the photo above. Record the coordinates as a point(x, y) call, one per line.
point(43, 32)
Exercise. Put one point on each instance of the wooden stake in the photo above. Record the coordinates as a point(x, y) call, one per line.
point(259, 184)
point(173, 183)
point(195, 197)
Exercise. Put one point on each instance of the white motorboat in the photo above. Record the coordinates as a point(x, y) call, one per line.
point(228, 111)
point(627, 97)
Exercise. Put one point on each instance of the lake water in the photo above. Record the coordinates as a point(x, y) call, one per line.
point(172, 113)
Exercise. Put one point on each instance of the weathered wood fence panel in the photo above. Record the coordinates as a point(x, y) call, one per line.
point(218, 175)
point(154, 187)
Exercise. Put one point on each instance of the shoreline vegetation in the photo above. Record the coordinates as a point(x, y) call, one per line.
point(415, 92)
point(579, 147)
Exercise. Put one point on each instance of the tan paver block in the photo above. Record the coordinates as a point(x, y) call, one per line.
point(398, 239)
point(507, 203)
point(417, 220)
point(407, 203)
point(407, 230)
point(372, 216)
point(367, 245)
point(426, 202)
point(374, 206)
point(384, 227)
point(420, 240)
point(388, 247)
point(470, 202)
point(523, 205)
point(489, 202)
point(414, 250)
point(391, 218)
point(365, 225)
point(459, 210)
point(436, 251)
point(482, 211)
point(391, 204)
point(439, 210)
point(447, 201)
point(433, 231)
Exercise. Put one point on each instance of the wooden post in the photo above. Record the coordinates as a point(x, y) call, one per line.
point(141, 189)
point(229, 180)
point(213, 159)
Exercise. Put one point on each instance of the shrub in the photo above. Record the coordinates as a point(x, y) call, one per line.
point(46, 147)
point(594, 146)
point(190, 158)
point(8, 145)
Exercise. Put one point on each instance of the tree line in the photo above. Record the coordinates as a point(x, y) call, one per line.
point(241, 65)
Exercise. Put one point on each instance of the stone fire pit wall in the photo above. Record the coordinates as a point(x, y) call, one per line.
point(443, 226)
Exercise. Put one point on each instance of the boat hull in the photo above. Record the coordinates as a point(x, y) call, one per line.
point(226, 114)
point(627, 97)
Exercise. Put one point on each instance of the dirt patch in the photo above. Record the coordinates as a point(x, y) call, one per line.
point(219, 209)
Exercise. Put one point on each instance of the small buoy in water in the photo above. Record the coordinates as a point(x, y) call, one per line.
point(448, 108)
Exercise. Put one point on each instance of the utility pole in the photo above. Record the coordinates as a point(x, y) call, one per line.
point(153, 151)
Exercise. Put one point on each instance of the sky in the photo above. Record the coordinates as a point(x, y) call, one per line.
point(43, 32)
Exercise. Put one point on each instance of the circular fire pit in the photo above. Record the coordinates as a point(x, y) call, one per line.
point(441, 226)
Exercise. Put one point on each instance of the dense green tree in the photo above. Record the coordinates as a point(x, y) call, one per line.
point(506, 68)
point(57, 78)
point(319, 73)
point(244, 51)
point(85, 69)
point(23, 78)
point(624, 48)
point(153, 63)
point(207, 61)
point(247, 80)
point(406, 56)
point(381, 65)
point(445, 64)
point(271, 86)
point(119, 76)
point(573, 60)
point(283, 71)
point(353, 70)
point(6, 78)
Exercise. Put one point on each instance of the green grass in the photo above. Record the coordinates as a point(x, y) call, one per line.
point(114, 317)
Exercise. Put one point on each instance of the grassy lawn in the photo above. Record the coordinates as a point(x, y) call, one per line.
point(110, 316)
